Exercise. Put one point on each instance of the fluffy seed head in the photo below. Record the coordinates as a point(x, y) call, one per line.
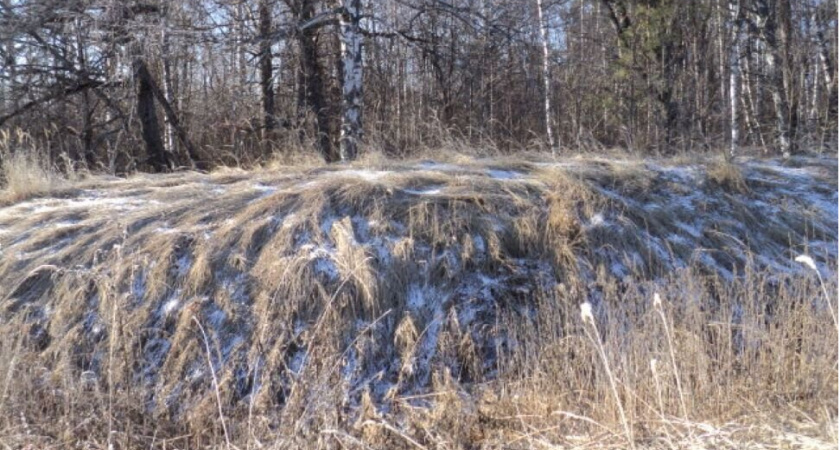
point(586, 312)
point(657, 300)
point(807, 260)
point(653, 363)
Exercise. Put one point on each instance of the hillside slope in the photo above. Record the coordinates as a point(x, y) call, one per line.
point(368, 300)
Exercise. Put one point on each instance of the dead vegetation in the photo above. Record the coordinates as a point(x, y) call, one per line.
point(26, 171)
point(423, 304)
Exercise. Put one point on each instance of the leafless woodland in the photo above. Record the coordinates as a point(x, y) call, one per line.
point(122, 86)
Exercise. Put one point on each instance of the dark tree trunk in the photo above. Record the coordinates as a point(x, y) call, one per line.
point(87, 131)
point(266, 68)
point(313, 86)
point(767, 18)
point(158, 157)
point(311, 93)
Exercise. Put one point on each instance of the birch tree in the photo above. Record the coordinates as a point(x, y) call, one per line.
point(734, 76)
point(352, 71)
point(236, 77)
point(546, 72)
point(168, 88)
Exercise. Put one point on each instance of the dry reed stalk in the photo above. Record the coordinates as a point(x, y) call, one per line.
point(657, 304)
point(808, 261)
point(588, 318)
point(215, 381)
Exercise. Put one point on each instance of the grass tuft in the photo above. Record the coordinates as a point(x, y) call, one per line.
point(728, 176)
point(25, 171)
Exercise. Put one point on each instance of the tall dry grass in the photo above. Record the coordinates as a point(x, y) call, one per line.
point(25, 170)
point(767, 379)
point(336, 308)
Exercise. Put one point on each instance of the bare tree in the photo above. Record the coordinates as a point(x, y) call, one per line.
point(765, 19)
point(546, 73)
point(159, 158)
point(266, 65)
point(224, 81)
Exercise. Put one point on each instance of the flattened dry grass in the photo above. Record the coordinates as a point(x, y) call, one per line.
point(413, 305)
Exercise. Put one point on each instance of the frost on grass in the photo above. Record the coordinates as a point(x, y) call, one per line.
point(443, 247)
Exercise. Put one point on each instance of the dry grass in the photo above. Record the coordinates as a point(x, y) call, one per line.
point(728, 176)
point(419, 305)
point(25, 171)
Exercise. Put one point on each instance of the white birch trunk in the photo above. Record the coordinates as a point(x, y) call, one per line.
point(813, 107)
point(748, 102)
point(772, 60)
point(168, 91)
point(241, 58)
point(722, 56)
point(546, 73)
point(734, 77)
point(351, 101)
point(824, 61)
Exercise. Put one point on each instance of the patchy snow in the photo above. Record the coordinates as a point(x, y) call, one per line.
point(263, 189)
point(504, 174)
point(368, 175)
point(92, 200)
point(691, 230)
point(441, 167)
point(478, 243)
point(65, 224)
point(684, 174)
point(322, 259)
point(431, 190)
point(183, 264)
point(327, 224)
point(618, 270)
point(453, 286)
point(677, 239)
point(421, 298)
point(596, 220)
point(170, 306)
point(48, 249)
point(167, 230)
point(138, 284)
point(216, 318)
point(326, 267)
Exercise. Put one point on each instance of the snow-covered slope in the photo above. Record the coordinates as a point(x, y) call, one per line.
point(374, 263)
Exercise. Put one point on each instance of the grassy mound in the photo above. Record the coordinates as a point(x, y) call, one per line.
point(424, 304)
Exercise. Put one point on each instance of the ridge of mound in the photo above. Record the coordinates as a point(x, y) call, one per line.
point(376, 284)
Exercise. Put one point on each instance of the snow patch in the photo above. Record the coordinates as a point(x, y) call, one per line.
point(265, 190)
point(367, 175)
point(170, 306)
point(478, 243)
point(97, 200)
point(431, 190)
point(504, 174)
point(442, 167)
point(596, 220)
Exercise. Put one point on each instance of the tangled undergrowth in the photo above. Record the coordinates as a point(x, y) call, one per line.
point(425, 305)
